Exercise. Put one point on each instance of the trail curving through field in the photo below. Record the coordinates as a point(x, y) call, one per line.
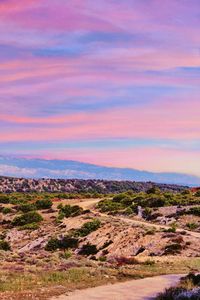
point(141, 289)
point(90, 204)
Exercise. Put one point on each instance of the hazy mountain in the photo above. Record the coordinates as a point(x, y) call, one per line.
point(41, 168)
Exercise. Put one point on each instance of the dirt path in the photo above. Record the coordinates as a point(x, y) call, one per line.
point(141, 289)
point(89, 204)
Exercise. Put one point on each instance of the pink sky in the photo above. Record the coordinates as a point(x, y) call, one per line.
point(111, 82)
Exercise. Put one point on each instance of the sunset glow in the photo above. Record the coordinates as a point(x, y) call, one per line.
point(114, 83)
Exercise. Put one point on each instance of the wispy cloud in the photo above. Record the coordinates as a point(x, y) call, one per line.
point(87, 71)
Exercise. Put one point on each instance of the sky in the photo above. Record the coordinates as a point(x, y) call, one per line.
point(110, 82)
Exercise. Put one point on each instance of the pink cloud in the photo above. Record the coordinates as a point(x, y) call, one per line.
point(169, 120)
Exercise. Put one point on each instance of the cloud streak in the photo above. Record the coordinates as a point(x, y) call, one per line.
point(75, 71)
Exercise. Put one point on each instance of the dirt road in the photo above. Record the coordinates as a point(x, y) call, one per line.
point(141, 289)
point(90, 204)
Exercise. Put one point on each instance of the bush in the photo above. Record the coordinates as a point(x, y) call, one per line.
point(128, 211)
point(88, 227)
point(197, 194)
point(6, 210)
point(67, 242)
point(32, 226)
point(153, 190)
point(4, 246)
point(88, 249)
point(187, 289)
point(70, 211)
point(119, 197)
point(173, 249)
point(26, 207)
point(171, 294)
point(27, 218)
point(109, 206)
point(194, 211)
point(192, 226)
point(52, 244)
point(102, 258)
point(4, 199)
point(66, 254)
point(43, 204)
point(172, 228)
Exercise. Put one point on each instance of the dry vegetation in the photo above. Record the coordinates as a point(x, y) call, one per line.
point(53, 243)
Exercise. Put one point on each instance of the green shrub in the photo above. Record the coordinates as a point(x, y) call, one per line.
point(52, 245)
point(4, 245)
point(102, 258)
point(127, 201)
point(31, 226)
point(197, 194)
point(128, 211)
point(173, 249)
point(109, 206)
point(192, 226)
point(151, 231)
point(67, 242)
point(147, 212)
point(4, 199)
point(26, 207)
point(66, 254)
point(6, 210)
point(149, 262)
point(153, 190)
point(27, 218)
point(194, 211)
point(17, 201)
point(70, 211)
point(43, 204)
point(172, 228)
point(119, 197)
point(88, 249)
point(88, 227)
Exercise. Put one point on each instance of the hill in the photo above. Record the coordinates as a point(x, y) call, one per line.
point(66, 169)
point(9, 184)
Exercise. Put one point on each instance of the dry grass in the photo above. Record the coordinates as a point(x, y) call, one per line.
point(15, 286)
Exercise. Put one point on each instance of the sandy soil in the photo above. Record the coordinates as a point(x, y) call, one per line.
point(141, 289)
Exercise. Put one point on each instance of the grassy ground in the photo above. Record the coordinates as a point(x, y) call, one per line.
point(42, 285)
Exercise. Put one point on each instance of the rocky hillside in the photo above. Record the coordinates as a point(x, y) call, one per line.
point(9, 185)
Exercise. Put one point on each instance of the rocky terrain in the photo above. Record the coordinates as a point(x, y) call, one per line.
point(10, 185)
point(49, 240)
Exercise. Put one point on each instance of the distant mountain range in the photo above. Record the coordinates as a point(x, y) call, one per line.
point(67, 169)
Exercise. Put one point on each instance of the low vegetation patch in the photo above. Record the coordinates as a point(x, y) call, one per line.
point(4, 245)
point(66, 242)
point(187, 289)
point(6, 210)
point(173, 249)
point(31, 226)
point(26, 207)
point(192, 226)
point(43, 204)
point(88, 249)
point(66, 211)
point(87, 228)
point(27, 218)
